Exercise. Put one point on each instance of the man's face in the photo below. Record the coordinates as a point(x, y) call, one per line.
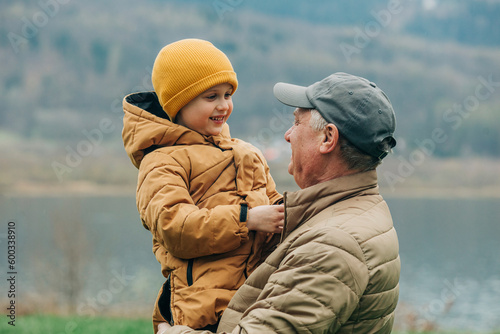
point(305, 143)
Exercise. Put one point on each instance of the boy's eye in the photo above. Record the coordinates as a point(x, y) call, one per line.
point(211, 97)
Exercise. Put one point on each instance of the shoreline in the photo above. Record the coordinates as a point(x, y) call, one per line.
point(91, 189)
point(443, 192)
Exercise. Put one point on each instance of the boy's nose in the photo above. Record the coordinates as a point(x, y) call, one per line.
point(223, 105)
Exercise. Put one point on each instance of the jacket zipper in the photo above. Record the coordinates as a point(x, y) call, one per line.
point(285, 218)
point(189, 273)
point(164, 302)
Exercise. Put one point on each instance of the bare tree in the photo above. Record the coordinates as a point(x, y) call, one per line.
point(70, 239)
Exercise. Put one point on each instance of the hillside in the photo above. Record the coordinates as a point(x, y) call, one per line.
point(67, 65)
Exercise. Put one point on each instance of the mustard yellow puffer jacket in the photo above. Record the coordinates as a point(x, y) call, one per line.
point(189, 195)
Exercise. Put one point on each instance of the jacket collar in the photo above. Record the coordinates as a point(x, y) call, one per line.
point(302, 205)
point(146, 127)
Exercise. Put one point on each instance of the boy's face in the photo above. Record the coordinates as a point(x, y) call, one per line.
point(208, 112)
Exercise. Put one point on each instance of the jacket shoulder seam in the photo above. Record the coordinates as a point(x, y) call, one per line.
point(396, 287)
point(376, 236)
point(385, 262)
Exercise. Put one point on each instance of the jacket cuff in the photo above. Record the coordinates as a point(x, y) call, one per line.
point(243, 212)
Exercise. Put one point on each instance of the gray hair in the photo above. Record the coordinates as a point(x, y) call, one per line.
point(317, 122)
point(354, 158)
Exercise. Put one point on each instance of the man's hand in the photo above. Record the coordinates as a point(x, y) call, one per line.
point(266, 218)
point(163, 327)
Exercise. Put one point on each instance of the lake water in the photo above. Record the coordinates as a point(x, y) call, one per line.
point(450, 253)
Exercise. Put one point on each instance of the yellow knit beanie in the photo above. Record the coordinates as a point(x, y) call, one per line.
point(185, 69)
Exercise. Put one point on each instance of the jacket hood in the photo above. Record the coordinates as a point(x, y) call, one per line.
point(146, 126)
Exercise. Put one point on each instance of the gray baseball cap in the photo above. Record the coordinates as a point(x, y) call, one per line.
point(360, 110)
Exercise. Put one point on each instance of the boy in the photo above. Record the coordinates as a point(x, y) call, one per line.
point(201, 193)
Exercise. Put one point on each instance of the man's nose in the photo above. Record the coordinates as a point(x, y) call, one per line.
point(287, 134)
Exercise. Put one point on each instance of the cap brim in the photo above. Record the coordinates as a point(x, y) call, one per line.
point(292, 95)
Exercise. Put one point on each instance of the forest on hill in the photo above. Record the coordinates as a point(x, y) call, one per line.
point(67, 65)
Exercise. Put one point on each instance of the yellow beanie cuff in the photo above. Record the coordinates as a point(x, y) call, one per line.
point(179, 100)
point(185, 69)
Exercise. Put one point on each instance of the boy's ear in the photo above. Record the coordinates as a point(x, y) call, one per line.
point(330, 139)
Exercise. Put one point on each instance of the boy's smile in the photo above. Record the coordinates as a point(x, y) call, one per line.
point(208, 112)
point(218, 119)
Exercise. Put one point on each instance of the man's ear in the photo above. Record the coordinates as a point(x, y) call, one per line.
point(330, 139)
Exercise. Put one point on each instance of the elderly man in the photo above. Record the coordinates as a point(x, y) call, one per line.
point(337, 267)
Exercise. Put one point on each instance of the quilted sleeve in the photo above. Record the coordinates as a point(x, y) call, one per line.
point(183, 229)
point(274, 196)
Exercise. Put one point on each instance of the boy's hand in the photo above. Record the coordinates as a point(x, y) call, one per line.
point(266, 218)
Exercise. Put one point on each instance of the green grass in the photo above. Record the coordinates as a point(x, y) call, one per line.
point(51, 324)
point(48, 324)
